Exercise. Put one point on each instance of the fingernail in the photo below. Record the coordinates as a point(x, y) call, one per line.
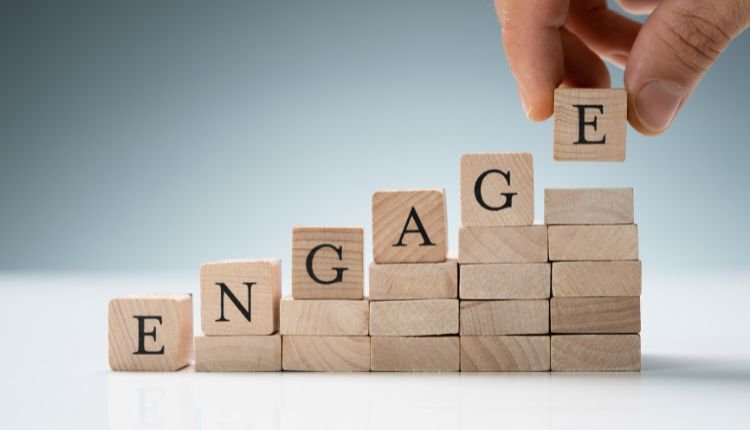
point(657, 104)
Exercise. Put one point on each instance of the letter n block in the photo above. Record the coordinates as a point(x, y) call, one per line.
point(497, 189)
point(240, 297)
point(328, 263)
point(151, 332)
point(590, 124)
point(409, 226)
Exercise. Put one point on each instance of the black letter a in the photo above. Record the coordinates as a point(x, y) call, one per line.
point(225, 291)
point(420, 229)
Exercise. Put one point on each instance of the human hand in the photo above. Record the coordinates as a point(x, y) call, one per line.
point(564, 42)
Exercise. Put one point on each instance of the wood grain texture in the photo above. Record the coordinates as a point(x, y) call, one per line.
point(504, 317)
point(238, 353)
point(327, 264)
point(588, 206)
point(591, 315)
point(596, 353)
point(390, 212)
point(416, 354)
point(410, 281)
point(265, 277)
point(324, 317)
point(593, 242)
point(611, 124)
point(596, 279)
point(168, 330)
point(505, 281)
point(326, 353)
point(527, 244)
point(505, 353)
point(414, 317)
point(506, 189)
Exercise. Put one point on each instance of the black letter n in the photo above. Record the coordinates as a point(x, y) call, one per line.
point(225, 291)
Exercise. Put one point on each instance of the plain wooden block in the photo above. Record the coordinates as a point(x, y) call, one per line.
point(596, 279)
point(596, 353)
point(326, 353)
point(588, 206)
point(416, 354)
point(497, 189)
point(409, 226)
point(591, 315)
point(593, 242)
point(414, 317)
point(410, 281)
point(324, 317)
point(238, 353)
point(526, 244)
point(590, 124)
point(505, 281)
point(328, 263)
point(504, 317)
point(240, 297)
point(150, 332)
point(505, 353)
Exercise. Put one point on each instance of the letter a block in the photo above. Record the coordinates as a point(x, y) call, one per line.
point(409, 227)
point(497, 190)
point(151, 332)
point(240, 297)
point(590, 124)
point(328, 263)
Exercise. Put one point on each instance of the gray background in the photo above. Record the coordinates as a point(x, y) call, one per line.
point(156, 135)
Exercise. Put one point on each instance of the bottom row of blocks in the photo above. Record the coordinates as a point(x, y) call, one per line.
point(409, 354)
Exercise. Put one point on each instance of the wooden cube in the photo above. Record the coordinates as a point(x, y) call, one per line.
point(588, 206)
point(504, 317)
point(497, 189)
point(596, 353)
point(591, 315)
point(596, 279)
point(238, 353)
point(409, 226)
point(593, 242)
point(409, 281)
point(327, 353)
point(416, 354)
point(328, 263)
point(505, 353)
point(505, 281)
point(527, 244)
point(240, 297)
point(324, 317)
point(414, 317)
point(590, 124)
point(151, 332)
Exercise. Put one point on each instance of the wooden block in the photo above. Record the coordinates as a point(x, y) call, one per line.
point(590, 124)
point(505, 281)
point(327, 353)
point(505, 353)
point(240, 297)
point(588, 206)
point(526, 244)
point(504, 317)
point(596, 353)
point(151, 332)
point(596, 279)
point(409, 226)
point(324, 317)
point(328, 263)
point(591, 315)
point(497, 189)
point(238, 353)
point(593, 242)
point(416, 354)
point(414, 317)
point(410, 281)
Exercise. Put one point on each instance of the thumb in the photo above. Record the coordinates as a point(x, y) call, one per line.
point(678, 43)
